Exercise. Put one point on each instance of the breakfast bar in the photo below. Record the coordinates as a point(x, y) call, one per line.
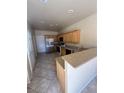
point(76, 70)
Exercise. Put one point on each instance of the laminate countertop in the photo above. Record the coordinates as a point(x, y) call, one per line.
point(68, 47)
point(79, 58)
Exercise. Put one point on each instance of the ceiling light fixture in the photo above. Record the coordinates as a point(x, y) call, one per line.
point(70, 11)
point(44, 1)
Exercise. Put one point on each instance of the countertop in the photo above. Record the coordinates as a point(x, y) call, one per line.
point(68, 47)
point(79, 58)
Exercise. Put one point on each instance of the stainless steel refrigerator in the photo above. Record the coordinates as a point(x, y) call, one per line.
point(49, 44)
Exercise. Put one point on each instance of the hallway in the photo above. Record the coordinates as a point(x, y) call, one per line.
point(44, 77)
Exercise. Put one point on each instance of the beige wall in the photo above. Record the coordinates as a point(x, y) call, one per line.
point(88, 28)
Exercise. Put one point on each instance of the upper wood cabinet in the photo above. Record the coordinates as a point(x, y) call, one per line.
point(65, 37)
point(71, 37)
point(76, 36)
point(61, 35)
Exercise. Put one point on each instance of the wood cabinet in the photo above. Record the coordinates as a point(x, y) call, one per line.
point(68, 37)
point(71, 37)
point(61, 35)
point(61, 74)
point(71, 71)
point(65, 37)
point(76, 36)
point(63, 51)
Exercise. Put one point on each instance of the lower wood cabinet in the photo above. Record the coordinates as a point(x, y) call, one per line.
point(61, 74)
point(74, 79)
point(63, 51)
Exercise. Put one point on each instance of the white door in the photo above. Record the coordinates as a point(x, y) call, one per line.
point(40, 41)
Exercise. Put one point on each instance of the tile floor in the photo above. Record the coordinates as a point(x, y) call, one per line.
point(44, 77)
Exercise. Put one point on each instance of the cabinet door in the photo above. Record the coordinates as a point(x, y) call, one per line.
point(61, 76)
point(76, 37)
point(65, 38)
point(59, 36)
point(63, 51)
point(70, 36)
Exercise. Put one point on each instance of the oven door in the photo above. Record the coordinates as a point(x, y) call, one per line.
point(68, 51)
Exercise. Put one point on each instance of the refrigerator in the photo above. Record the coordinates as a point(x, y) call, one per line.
point(49, 44)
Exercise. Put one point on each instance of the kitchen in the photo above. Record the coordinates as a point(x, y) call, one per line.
point(65, 45)
point(69, 55)
point(62, 46)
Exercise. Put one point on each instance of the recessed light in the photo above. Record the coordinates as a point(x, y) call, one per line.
point(44, 1)
point(70, 11)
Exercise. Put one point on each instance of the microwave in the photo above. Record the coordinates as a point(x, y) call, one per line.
point(61, 39)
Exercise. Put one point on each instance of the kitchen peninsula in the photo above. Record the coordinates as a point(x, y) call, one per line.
point(76, 70)
point(68, 49)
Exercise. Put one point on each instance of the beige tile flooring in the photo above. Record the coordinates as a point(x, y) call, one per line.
point(44, 77)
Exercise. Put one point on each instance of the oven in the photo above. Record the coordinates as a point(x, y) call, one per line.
point(68, 51)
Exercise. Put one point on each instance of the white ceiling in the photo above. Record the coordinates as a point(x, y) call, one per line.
point(45, 16)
